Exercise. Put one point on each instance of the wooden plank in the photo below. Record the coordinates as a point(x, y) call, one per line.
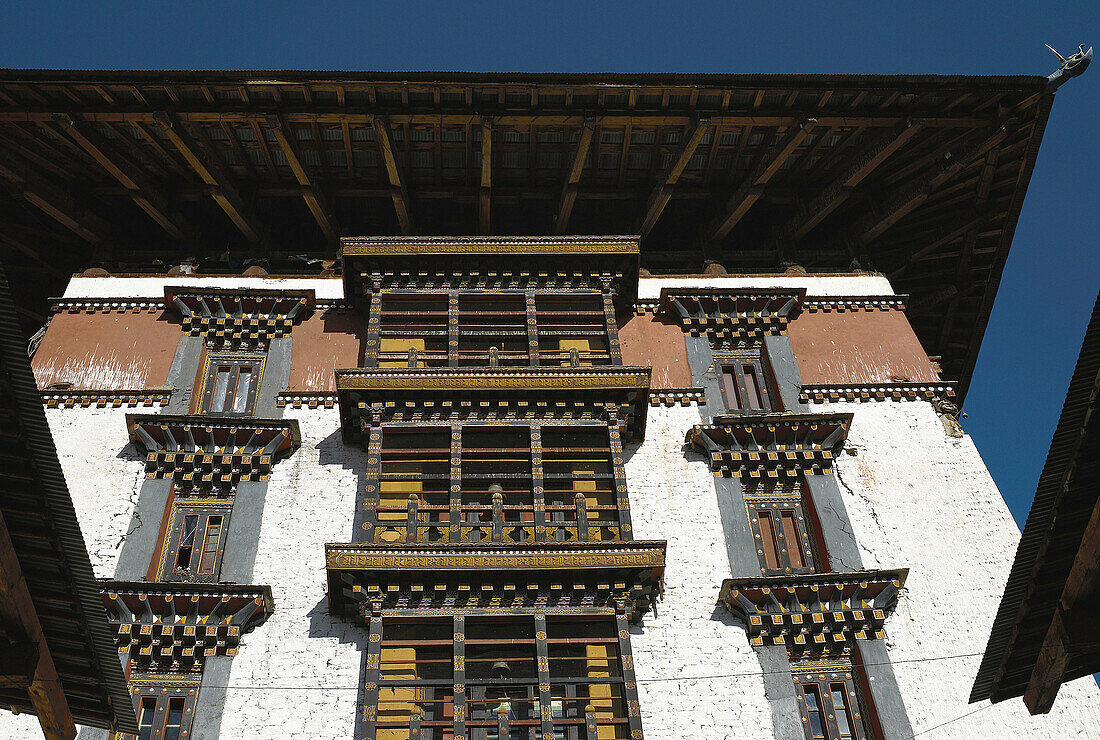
point(576, 167)
point(398, 193)
point(213, 173)
point(142, 191)
point(18, 613)
point(484, 213)
point(311, 193)
point(752, 187)
point(662, 193)
point(52, 200)
point(859, 165)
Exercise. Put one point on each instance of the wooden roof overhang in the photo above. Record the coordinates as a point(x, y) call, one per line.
point(816, 611)
point(579, 577)
point(57, 657)
point(920, 177)
point(179, 625)
point(1047, 629)
point(726, 313)
point(500, 395)
point(771, 445)
point(498, 262)
point(215, 450)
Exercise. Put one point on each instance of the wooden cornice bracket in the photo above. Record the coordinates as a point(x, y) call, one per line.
point(484, 213)
point(398, 191)
point(311, 193)
point(662, 192)
point(576, 167)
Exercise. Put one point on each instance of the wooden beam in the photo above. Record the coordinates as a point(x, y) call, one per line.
point(662, 192)
point(18, 613)
point(213, 173)
point(861, 164)
point(913, 195)
point(142, 191)
point(576, 167)
point(955, 230)
point(52, 200)
point(398, 192)
point(312, 194)
point(484, 213)
point(753, 186)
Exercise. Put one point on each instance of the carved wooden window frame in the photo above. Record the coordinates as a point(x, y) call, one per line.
point(203, 509)
point(162, 693)
point(443, 677)
point(234, 363)
point(550, 489)
point(789, 507)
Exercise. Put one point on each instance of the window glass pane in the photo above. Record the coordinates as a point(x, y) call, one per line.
point(221, 385)
point(840, 706)
point(174, 720)
point(244, 385)
point(768, 540)
point(187, 541)
point(729, 385)
point(752, 388)
point(813, 712)
point(145, 718)
point(794, 540)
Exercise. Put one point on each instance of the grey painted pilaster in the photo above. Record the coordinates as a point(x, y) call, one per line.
point(210, 702)
point(275, 380)
point(140, 545)
point(883, 686)
point(785, 370)
point(701, 361)
point(836, 527)
point(779, 690)
point(243, 535)
point(181, 376)
point(740, 544)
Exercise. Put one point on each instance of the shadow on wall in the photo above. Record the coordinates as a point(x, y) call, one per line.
point(332, 451)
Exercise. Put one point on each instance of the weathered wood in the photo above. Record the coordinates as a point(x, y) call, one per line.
point(752, 187)
point(315, 199)
point(484, 214)
point(662, 193)
point(52, 200)
point(398, 193)
point(213, 173)
point(576, 167)
point(129, 175)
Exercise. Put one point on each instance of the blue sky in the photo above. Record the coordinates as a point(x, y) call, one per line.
point(1050, 281)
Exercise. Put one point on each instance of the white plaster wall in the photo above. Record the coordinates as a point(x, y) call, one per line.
point(649, 288)
point(310, 501)
point(672, 497)
point(153, 287)
point(920, 499)
point(104, 474)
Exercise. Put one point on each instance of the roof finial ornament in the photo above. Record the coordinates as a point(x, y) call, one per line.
point(1071, 67)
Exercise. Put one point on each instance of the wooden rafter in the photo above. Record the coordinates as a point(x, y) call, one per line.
point(753, 185)
point(484, 212)
point(213, 173)
point(662, 193)
point(398, 192)
point(909, 197)
point(315, 199)
point(576, 166)
point(143, 192)
point(861, 164)
point(29, 662)
point(52, 200)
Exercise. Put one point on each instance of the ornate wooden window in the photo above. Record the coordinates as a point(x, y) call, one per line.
point(829, 697)
point(194, 540)
point(230, 382)
point(491, 678)
point(781, 526)
point(165, 708)
point(501, 483)
point(507, 328)
point(746, 384)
